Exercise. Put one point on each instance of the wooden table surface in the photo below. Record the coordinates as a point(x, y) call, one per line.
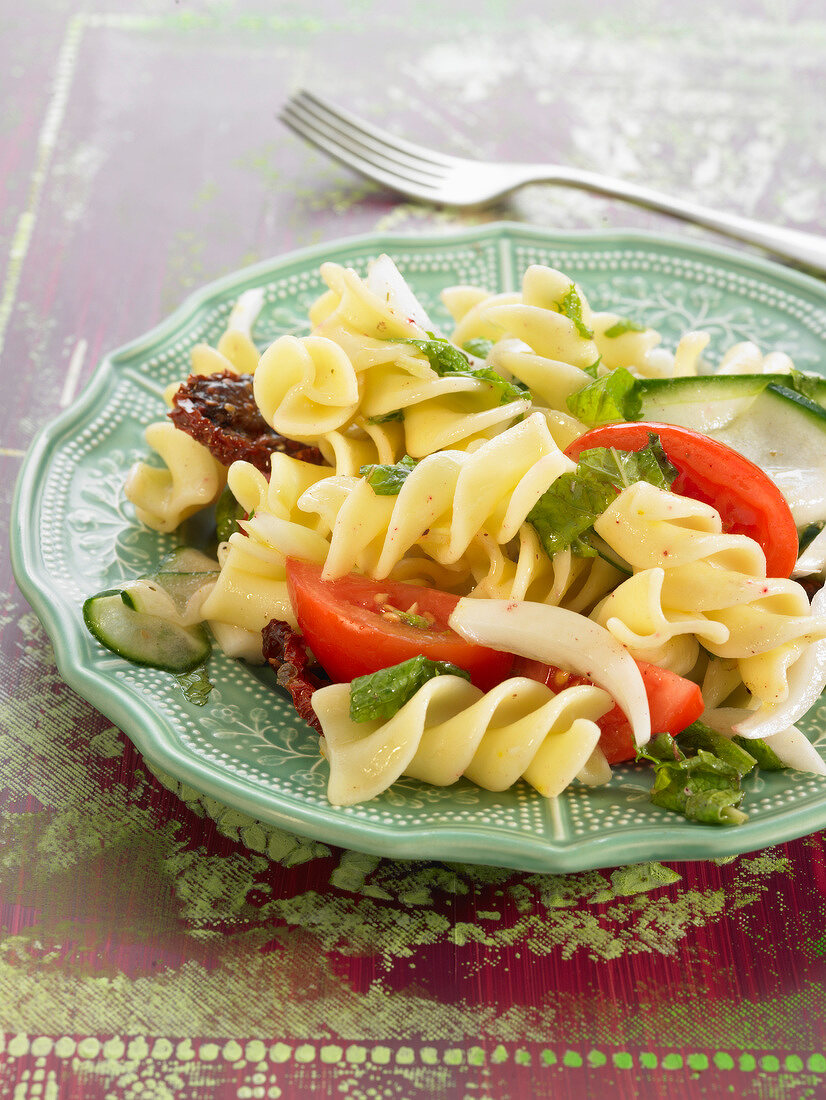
point(153, 946)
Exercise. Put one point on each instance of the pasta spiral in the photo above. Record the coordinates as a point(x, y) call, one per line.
point(691, 579)
point(446, 500)
point(450, 728)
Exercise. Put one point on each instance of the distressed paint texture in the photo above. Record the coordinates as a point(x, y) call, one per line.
point(157, 943)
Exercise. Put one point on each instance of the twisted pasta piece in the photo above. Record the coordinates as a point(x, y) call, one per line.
point(438, 411)
point(562, 581)
point(252, 586)
point(362, 444)
point(191, 480)
point(306, 387)
point(747, 358)
point(364, 325)
point(446, 500)
point(519, 729)
point(691, 579)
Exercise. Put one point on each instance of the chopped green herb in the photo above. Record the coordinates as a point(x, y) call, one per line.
point(388, 418)
point(227, 514)
point(660, 748)
point(808, 534)
point(480, 347)
point(614, 396)
point(409, 618)
point(593, 369)
point(571, 306)
point(195, 685)
point(624, 468)
point(619, 328)
point(568, 509)
point(700, 736)
point(446, 359)
point(702, 788)
point(700, 777)
point(381, 694)
point(386, 481)
point(767, 759)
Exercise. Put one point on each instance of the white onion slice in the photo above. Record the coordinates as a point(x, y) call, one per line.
point(795, 750)
point(806, 680)
point(562, 638)
point(813, 558)
point(387, 282)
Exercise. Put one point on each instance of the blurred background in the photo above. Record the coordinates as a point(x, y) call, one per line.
point(140, 148)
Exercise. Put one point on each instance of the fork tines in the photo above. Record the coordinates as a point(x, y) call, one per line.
point(368, 149)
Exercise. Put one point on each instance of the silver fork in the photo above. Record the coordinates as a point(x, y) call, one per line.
point(424, 174)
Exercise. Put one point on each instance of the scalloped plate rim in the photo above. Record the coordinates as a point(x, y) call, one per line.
point(452, 842)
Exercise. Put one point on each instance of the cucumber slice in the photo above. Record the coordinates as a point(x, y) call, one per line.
point(704, 404)
point(186, 559)
point(169, 592)
point(177, 597)
point(763, 418)
point(141, 638)
point(784, 433)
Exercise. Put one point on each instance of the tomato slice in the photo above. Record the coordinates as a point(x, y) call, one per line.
point(345, 628)
point(673, 701)
point(747, 499)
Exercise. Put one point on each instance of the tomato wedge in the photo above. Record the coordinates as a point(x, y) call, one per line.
point(747, 499)
point(673, 701)
point(350, 634)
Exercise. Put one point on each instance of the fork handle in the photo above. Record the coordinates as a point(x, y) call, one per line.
point(803, 248)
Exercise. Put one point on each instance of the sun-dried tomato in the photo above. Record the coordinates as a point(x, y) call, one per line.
point(286, 652)
point(219, 411)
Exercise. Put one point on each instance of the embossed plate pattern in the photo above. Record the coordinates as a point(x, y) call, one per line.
point(73, 534)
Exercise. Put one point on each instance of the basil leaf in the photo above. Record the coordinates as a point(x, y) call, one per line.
point(700, 736)
point(767, 759)
point(507, 391)
point(715, 807)
point(619, 328)
point(479, 346)
point(702, 788)
point(593, 369)
point(381, 694)
point(614, 396)
point(388, 418)
point(624, 468)
point(660, 749)
point(227, 514)
point(386, 481)
point(571, 307)
point(568, 509)
point(446, 359)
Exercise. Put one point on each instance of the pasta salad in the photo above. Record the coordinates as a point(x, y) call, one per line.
point(529, 548)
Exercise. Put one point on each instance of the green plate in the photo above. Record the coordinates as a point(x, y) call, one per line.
point(74, 533)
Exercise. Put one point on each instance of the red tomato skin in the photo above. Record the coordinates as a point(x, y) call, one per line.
point(747, 499)
point(673, 701)
point(349, 638)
